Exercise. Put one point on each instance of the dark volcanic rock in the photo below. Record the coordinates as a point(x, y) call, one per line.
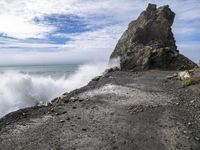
point(148, 43)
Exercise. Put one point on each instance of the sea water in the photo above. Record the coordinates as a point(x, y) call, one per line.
point(25, 86)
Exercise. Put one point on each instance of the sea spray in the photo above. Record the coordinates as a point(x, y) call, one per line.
point(19, 90)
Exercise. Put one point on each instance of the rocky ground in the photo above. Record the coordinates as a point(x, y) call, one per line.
point(121, 110)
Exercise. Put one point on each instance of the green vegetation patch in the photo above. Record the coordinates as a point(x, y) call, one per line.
point(186, 83)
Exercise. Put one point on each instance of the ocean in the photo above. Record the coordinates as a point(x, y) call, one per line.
point(25, 86)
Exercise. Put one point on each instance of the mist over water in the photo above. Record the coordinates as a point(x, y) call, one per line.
point(19, 88)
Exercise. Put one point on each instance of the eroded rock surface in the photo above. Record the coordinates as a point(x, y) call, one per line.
point(149, 43)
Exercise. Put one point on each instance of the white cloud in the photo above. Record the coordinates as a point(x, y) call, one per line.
point(13, 26)
point(17, 15)
point(103, 38)
point(112, 16)
point(89, 46)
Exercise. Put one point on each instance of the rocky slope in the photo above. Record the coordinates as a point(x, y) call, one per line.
point(122, 109)
point(148, 43)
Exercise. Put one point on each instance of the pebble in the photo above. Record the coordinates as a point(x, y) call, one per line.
point(74, 107)
point(64, 112)
point(197, 138)
point(61, 121)
point(80, 100)
point(72, 99)
point(177, 103)
point(84, 129)
point(192, 101)
point(185, 132)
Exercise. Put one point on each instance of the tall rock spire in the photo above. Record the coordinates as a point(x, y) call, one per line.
point(149, 43)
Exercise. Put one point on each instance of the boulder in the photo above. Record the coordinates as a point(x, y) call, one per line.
point(149, 43)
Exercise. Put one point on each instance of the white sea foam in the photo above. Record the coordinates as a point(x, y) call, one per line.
point(18, 90)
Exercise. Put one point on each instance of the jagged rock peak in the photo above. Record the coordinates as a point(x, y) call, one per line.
point(149, 43)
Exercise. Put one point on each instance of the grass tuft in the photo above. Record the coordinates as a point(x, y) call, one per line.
point(186, 83)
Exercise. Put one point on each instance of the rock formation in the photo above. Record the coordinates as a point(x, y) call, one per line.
point(148, 43)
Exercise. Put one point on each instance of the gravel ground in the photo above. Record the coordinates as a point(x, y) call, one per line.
point(120, 110)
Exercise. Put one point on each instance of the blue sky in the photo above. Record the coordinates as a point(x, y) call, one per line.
point(81, 31)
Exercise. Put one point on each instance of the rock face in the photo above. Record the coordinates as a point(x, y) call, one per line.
point(148, 43)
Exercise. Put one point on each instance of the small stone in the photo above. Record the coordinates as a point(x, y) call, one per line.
point(61, 121)
point(68, 118)
point(96, 78)
point(80, 100)
point(189, 123)
point(111, 77)
point(72, 99)
point(112, 113)
point(192, 101)
point(84, 129)
point(197, 138)
point(64, 112)
point(74, 107)
point(177, 104)
point(185, 132)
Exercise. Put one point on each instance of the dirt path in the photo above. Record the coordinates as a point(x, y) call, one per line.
point(123, 110)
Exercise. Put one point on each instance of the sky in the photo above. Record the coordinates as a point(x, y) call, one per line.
point(82, 31)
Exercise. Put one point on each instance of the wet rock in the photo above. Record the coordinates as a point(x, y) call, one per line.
point(66, 93)
point(96, 78)
point(110, 70)
point(149, 43)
